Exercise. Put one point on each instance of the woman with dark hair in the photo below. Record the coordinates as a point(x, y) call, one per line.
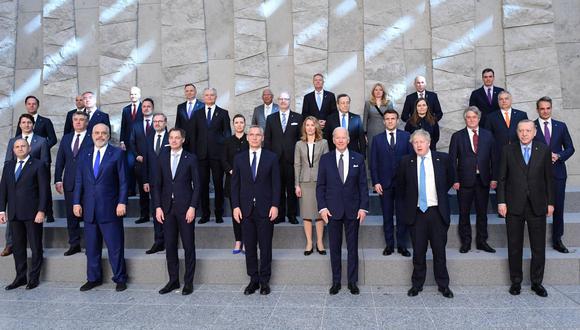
point(422, 118)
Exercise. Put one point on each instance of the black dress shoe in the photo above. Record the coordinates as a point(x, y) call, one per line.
point(388, 251)
point(15, 284)
point(309, 252)
point(413, 291)
point(219, 219)
point(293, 220)
point(334, 289)
point(464, 248)
point(515, 289)
point(90, 285)
point(121, 287)
point(187, 289)
point(560, 247)
point(72, 250)
point(446, 292)
point(251, 288)
point(169, 287)
point(264, 289)
point(31, 285)
point(321, 252)
point(485, 247)
point(404, 252)
point(7, 251)
point(155, 248)
point(539, 290)
point(142, 220)
point(280, 220)
point(353, 288)
point(203, 220)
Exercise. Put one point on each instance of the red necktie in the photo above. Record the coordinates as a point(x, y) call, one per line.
point(475, 140)
point(134, 112)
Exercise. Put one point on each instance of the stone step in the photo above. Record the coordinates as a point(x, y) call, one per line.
point(290, 266)
point(288, 236)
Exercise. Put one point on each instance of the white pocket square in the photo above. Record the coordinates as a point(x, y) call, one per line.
point(355, 165)
point(293, 124)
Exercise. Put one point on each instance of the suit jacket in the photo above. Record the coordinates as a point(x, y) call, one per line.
point(99, 117)
point(43, 127)
point(310, 108)
point(100, 195)
point(466, 162)
point(67, 162)
point(385, 160)
point(302, 170)
point(343, 200)
point(68, 126)
point(356, 132)
point(184, 187)
point(479, 99)
point(151, 159)
point(519, 182)
point(258, 116)
point(138, 138)
point(408, 182)
point(38, 149)
point(208, 142)
point(432, 101)
point(187, 124)
point(560, 143)
point(27, 195)
point(283, 143)
point(502, 134)
point(265, 190)
point(127, 122)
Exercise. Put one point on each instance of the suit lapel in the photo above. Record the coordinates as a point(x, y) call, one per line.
point(104, 158)
point(535, 150)
point(351, 165)
point(467, 141)
point(520, 156)
point(25, 169)
point(413, 170)
point(436, 169)
point(180, 165)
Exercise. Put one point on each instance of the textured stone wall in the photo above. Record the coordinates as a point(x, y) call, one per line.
point(56, 49)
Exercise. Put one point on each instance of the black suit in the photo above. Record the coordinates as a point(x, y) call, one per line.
point(479, 99)
point(429, 227)
point(495, 122)
point(149, 172)
point(527, 191)
point(175, 195)
point(432, 101)
point(283, 144)
point(127, 123)
point(310, 108)
point(187, 123)
point(356, 131)
point(137, 146)
point(43, 127)
point(98, 117)
point(208, 146)
point(24, 198)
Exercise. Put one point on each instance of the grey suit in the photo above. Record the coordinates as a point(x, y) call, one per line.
point(306, 175)
point(258, 117)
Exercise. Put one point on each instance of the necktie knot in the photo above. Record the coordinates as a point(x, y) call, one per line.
point(20, 162)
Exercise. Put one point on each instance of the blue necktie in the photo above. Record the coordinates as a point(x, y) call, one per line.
point(422, 187)
point(343, 124)
point(527, 155)
point(208, 116)
point(19, 169)
point(254, 166)
point(283, 122)
point(319, 101)
point(97, 163)
point(188, 110)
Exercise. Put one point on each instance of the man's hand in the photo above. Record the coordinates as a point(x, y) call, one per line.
point(555, 157)
point(159, 216)
point(502, 209)
point(190, 215)
point(322, 123)
point(237, 214)
point(58, 187)
point(146, 187)
point(39, 218)
point(493, 184)
point(550, 210)
point(122, 146)
point(379, 188)
point(78, 211)
point(361, 216)
point(121, 210)
point(456, 186)
point(3, 218)
point(325, 214)
point(139, 159)
point(298, 192)
point(273, 213)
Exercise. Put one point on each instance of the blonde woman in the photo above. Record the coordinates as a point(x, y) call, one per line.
point(306, 159)
point(374, 110)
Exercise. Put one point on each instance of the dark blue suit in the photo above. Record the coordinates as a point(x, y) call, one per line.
point(343, 201)
point(187, 123)
point(561, 144)
point(479, 99)
point(149, 173)
point(43, 127)
point(138, 147)
point(98, 117)
point(67, 162)
point(99, 197)
point(430, 227)
point(255, 198)
point(310, 108)
point(473, 171)
point(68, 125)
point(383, 166)
point(356, 131)
point(125, 137)
point(175, 195)
point(495, 122)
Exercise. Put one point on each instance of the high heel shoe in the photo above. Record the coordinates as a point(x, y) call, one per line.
point(308, 252)
point(322, 252)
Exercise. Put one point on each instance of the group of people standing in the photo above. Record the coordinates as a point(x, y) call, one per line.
point(313, 160)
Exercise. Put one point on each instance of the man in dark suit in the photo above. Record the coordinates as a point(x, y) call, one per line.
point(141, 131)
point(68, 123)
point(184, 118)
point(346, 119)
point(71, 147)
point(386, 152)
point(212, 128)
point(343, 201)
point(100, 197)
point(425, 177)
point(555, 135)
point(474, 160)
point(319, 103)
point(255, 199)
point(262, 111)
point(156, 145)
point(23, 191)
point(176, 197)
point(485, 98)
point(525, 194)
point(421, 92)
point(96, 116)
point(131, 113)
point(282, 132)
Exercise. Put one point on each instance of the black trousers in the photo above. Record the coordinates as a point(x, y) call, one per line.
point(288, 199)
point(429, 229)
point(143, 195)
point(515, 235)
point(217, 173)
point(351, 227)
point(258, 231)
point(73, 223)
point(175, 225)
point(27, 232)
point(558, 217)
point(465, 197)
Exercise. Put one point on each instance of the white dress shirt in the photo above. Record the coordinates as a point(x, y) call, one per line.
point(345, 161)
point(470, 133)
point(310, 146)
point(102, 150)
point(28, 137)
point(424, 94)
point(267, 110)
point(340, 114)
point(23, 164)
point(389, 136)
point(429, 179)
point(258, 154)
point(162, 133)
point(81, 138)
point(543, 126)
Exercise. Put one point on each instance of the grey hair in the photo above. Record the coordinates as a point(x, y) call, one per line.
point(340, 129)
point(258, 127)
point(213, 90)
point(473, 109)
point(420, 132)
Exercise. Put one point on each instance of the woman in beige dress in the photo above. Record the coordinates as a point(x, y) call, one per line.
point(375, 107)
point(306, 159)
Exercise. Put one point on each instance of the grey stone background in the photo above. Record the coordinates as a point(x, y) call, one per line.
point(56, 49)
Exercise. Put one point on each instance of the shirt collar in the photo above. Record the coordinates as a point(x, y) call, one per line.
point(427, 156)
point(81, 133)
point(542, 121)
point(176, 153)
point(29, 136)
point(103, 148)
point(526, 145)
point(345, 153)
point(25, 160)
